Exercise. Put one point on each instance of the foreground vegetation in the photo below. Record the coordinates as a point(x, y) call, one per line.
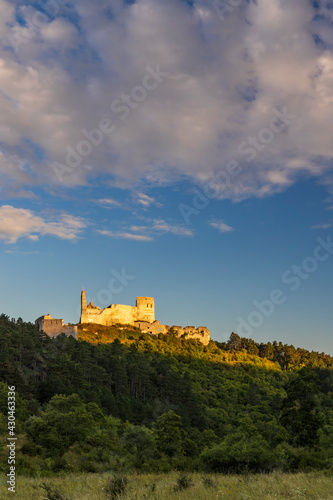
point(130, 402)
point(173, 485)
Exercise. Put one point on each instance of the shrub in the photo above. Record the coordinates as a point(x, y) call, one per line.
point(183, 482)
point(52, 493)
point(115, 487)
point(208, 482)
point(238, 454)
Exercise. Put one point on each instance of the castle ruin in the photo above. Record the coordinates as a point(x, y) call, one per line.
point(53, 327)
point(117, 313)
point(141, 316)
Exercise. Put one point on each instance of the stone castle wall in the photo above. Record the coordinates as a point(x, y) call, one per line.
point(189, 332)
point(141, 316)
point(54, 327)
point(118, 313)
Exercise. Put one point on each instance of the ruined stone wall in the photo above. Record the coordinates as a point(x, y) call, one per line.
point(141, 316)
point(69, 330)
point(201, 333)
point(118, 313)
point(190, 332)
point(54, 327)
point(154, 328)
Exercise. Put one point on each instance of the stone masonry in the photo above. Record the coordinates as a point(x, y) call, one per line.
point(53, 327)
point(142, 316)
point(118, 313)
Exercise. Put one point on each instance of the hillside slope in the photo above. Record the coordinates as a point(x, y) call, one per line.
point(118, 398)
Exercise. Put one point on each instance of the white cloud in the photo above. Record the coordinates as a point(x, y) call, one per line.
point(16, 223)
point(147, 232)
point(18, 252)
point(146, 201)
point(7, 11)
point(164, 227)
point(323, 225)
point(221, 226)
point(108, 202)
point(125, 235)
point(59, 32)
point(226, 78)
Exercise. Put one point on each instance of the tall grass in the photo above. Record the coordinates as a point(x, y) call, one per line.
point(275, 486)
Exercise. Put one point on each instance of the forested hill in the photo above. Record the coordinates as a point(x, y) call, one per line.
point(120, 399)
point(284, 356)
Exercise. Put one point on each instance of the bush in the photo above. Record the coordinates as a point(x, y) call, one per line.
point(115, 487)
point(208, 482)
point(238, 454)
point(31, 449)
point(53, 493)
point(183, 482)
point(291, 459)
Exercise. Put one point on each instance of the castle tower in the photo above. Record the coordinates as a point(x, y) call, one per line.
point(145, 309)
point(84, 316)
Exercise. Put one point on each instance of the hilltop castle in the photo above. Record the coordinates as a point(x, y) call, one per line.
point(142, 316)
point(117, 313)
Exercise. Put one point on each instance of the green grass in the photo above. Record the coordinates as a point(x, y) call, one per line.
point(314, 486)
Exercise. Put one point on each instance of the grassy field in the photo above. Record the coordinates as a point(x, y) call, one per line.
point(162, 487)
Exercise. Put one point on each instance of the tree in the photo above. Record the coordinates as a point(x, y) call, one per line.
point(66, 420)
point(234, 342)
point(140, 443)
point(168, 434)
point(238, 453)
point(301, 413)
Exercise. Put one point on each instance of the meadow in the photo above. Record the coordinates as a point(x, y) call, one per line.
point(316, 486)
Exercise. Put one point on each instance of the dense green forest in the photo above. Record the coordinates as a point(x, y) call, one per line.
point(118, 399)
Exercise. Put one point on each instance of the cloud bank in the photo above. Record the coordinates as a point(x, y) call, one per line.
point(211, 85)
point(16, 223)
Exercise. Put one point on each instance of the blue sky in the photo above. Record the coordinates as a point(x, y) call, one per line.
point(186, 150)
